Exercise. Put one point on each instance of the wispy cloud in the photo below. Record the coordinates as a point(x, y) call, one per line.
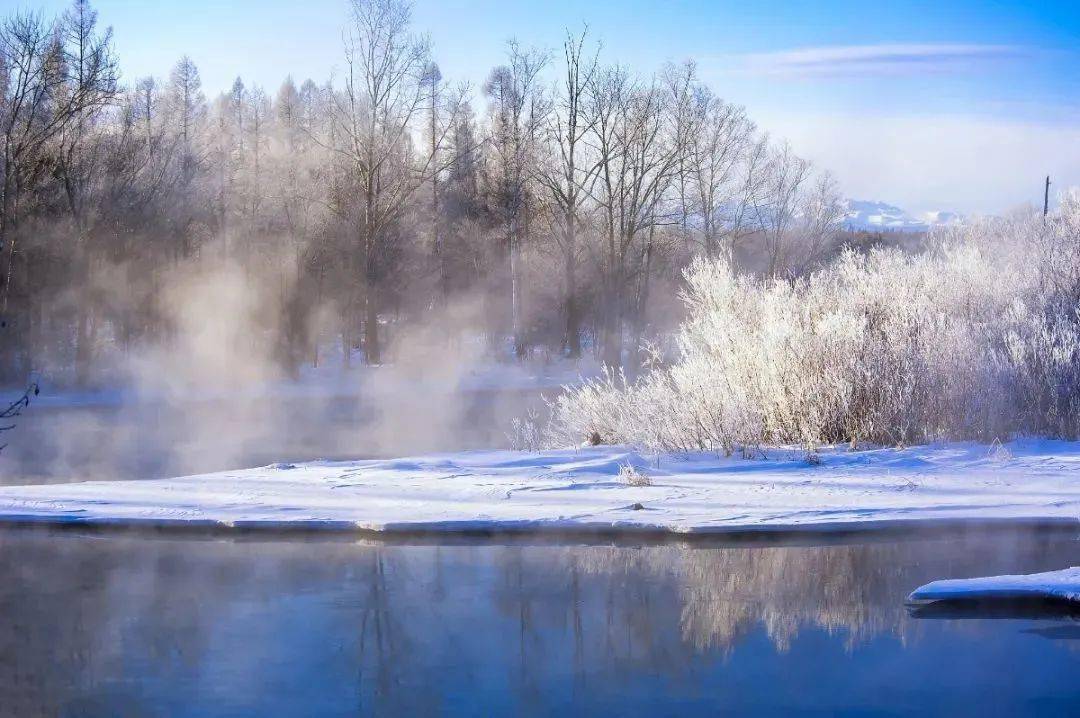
point(871, 60)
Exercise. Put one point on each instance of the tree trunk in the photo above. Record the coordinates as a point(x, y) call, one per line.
point(612, 355)
point(346, 340)
point(572, 340)
point(7, 234)
point(369, 240)
point(515, 298)
point(82, 345)
point(372, 354)
point(613, 345)
point(371, 328)
point(317, 333)
point(642, 302)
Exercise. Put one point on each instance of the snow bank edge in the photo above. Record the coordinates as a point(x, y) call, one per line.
point(551, 528)
point(1063, 585)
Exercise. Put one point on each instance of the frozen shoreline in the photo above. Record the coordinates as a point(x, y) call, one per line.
point(580, 491)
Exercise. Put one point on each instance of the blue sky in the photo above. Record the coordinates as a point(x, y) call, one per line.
point(929, 105)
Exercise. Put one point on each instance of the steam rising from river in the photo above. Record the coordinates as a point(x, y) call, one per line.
point(212, 391)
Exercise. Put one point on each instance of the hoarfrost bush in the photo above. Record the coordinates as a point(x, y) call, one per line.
point(630, 476)
point(526, 433)
point(976, 337)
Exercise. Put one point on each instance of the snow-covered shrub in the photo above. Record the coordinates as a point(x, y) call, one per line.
point(976, 337)
point(526, 433)
point(631, 476)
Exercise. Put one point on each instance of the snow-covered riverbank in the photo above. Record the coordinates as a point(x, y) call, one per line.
point(1061, 585)
point(582, 490)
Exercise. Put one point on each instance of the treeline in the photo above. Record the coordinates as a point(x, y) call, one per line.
point(556, 211)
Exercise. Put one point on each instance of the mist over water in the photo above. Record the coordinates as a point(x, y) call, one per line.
point(136, 441)
point(212, 393)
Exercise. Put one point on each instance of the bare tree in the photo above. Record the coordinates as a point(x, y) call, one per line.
point(719, 159)
point(258, 113)
point(821, 216)
point(565, 171)
point(383, 97)
point(637, 156)
point(186, 102)
point(518, 110)
point(53, 76)
point(432, 78)
point(683, 98)
point(749, 196)
point(785, 175)
point(187, 111)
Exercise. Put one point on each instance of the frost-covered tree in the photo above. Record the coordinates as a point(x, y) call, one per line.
point(976, 337)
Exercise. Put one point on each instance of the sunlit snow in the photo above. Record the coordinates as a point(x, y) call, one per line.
point(1061, 585)
point(581, 490)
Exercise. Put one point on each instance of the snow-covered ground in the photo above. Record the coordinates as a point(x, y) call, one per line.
point(582, 490)
point(1062, 585)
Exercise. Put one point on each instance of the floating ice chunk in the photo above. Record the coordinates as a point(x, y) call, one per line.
point(1061, 585)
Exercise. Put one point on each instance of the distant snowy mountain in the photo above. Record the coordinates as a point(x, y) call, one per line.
point(943, 219)
point(880, 216)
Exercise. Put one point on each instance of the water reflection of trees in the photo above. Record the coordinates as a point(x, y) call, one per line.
point(855, 589)
point(723, 594)
point(402, 628)
point(849, 588)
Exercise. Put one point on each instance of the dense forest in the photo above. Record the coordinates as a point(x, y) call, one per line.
point(552, 210)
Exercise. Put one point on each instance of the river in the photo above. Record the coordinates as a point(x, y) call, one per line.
point(116, 624)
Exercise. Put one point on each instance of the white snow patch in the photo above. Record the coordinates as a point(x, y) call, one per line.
point(581, 490)
point(1062, 585)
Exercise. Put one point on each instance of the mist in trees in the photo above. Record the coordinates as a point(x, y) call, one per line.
point(550, 211)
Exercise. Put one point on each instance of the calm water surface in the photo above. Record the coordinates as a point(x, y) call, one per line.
point(98, 625)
